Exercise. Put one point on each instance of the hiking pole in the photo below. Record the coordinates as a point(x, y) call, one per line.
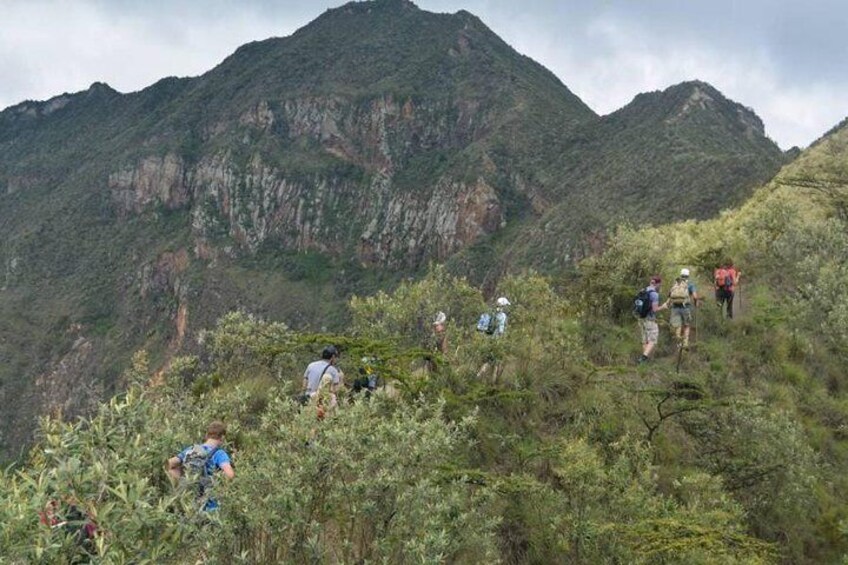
point(739, 292)
point(679, 355)
point(695, 324)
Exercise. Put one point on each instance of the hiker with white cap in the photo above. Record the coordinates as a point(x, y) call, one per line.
point(683, 297)
point(494, 323)
point(500, 315)
point(440, 332)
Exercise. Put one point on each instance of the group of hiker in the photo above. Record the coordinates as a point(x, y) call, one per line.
point(322, 378)
point(682, 300)
point(197, 464)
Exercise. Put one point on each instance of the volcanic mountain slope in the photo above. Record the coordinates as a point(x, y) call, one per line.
point(372, 141)
point(684, 153)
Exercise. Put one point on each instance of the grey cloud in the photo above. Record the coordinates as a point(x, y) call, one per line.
point(786, 59)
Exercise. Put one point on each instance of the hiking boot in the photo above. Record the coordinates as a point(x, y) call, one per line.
point(642, 360)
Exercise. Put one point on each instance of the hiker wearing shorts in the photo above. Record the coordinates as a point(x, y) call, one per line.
point(683, 298)
point(650, 331)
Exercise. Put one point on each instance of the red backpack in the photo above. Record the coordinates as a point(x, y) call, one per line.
point(723, 278)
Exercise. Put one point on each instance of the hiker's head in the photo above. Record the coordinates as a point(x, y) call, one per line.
point(503, 302)
point(656, 280)
point(330, 352)
point(684, 273)
point(216, 430)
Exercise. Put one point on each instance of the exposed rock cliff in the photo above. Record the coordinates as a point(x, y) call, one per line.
point(254, 198)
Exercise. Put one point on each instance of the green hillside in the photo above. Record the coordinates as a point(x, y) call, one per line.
point(684, 153)
point(563, 450)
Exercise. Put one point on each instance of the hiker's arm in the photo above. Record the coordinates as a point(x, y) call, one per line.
point(175, 467)
point(336, 377)
point(228, 471)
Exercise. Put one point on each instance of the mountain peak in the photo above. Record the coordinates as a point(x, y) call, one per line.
point(369, 8)
point(697, 102)
point(101, 87)
point(367, 5)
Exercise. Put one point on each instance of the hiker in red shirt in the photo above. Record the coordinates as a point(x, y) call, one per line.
point(726, 279)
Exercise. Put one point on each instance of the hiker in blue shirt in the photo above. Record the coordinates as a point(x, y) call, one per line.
point(648, 325)
point(199, 463)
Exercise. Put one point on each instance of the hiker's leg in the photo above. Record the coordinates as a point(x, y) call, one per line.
point(687, 324)
point(499, 368)
point(651, 336)
point(677, 322)
point(730, 304)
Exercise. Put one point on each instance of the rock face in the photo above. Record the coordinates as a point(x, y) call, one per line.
point(254, 200)
point(156, 180)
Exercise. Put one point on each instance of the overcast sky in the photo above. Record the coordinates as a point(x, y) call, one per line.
point(787, 59)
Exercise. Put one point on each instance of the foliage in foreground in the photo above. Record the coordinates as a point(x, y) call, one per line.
point(372, 482)
point(546, 446)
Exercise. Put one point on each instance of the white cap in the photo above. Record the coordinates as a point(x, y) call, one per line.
point(441, 318)
point(502, 301)
point(684, 272)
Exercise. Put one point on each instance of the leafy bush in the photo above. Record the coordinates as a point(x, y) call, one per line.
point(372, 482)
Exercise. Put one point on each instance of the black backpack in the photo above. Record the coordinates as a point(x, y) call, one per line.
point(642, 304)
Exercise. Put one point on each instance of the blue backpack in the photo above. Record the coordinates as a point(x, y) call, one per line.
point(487, 323)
